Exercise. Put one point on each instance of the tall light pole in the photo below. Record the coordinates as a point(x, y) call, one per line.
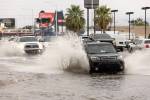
point(129, 13)
point(145, 8)
point(87, 21)
point(56, 22)
point(114, 11)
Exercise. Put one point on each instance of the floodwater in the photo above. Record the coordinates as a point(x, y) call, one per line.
point(49, 76)
point(64, 85)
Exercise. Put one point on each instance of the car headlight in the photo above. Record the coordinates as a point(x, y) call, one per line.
point(95, 58)
point(120, 57)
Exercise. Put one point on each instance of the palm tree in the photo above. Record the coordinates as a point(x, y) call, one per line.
point(74, 19)
point(103, 17)
point(139, 22)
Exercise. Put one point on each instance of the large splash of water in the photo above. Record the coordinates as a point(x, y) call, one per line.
point(66, 53)
point(63, 53)
point(138, 62)
point(8, 49)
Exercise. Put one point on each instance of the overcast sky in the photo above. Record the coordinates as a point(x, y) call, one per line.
point(26, 10)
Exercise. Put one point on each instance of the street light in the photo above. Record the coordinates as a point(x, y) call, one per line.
point(114, 11)
point(129, 13)
point(145, 8)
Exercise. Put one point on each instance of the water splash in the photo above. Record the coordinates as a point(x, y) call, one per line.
point(65, 53)
point(138, 62)
point(7, 49)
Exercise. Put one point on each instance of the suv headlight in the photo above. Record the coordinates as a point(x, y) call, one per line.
point(114, 42)
point(95, 58)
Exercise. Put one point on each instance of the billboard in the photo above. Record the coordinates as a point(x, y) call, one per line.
point(49, 18)
point(91, 4)
point(46, 19)
point(7, 22)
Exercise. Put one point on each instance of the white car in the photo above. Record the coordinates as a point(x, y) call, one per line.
point(29, 44)
point(139, 44)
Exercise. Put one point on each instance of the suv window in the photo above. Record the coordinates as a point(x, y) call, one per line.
point(100, 48)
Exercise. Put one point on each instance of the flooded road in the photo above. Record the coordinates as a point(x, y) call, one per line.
point(46, 76)
point(18, 83)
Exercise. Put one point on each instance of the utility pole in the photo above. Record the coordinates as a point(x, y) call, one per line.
point(87, 21)
point(56, 22)
point(145, 8)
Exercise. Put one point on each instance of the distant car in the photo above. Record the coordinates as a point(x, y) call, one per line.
point(102, 38)
point(103, 57)
point(29, 44)
point(121, 39)
point(139, 44)
point(105, 38)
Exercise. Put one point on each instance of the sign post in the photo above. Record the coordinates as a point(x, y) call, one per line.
point(90, 4)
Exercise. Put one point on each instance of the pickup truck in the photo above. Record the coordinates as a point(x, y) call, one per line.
point(28, 44)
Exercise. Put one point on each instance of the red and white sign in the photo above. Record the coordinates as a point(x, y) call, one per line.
point(46, 15)
point(43, 24)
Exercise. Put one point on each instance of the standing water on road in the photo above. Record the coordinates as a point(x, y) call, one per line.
point(22, 77)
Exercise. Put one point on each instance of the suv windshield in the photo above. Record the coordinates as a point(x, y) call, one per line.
point(28, 39)
point(100, 48)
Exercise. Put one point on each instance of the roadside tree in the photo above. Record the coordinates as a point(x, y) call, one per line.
point(103, 18)
point(139, 22)
point(74, 19)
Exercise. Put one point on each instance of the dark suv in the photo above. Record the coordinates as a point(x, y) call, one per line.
point(103, 57)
